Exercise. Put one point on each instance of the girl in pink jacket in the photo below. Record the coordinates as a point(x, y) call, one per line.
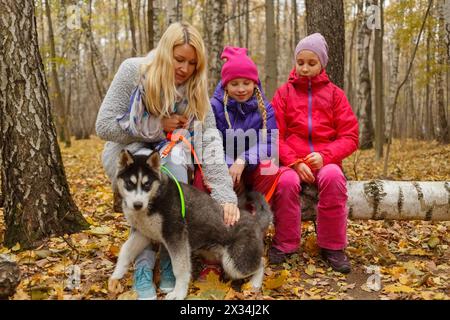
point(317, 130)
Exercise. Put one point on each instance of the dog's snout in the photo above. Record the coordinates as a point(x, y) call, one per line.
point(138, 205)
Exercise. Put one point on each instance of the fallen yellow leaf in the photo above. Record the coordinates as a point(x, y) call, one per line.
point(128, 295)
point(100, 230)
point(212, 287)
point(276, 282)
point(16, 247)
point(398, 289)
point(310, 270)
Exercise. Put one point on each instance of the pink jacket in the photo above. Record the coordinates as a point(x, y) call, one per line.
point(313, 115)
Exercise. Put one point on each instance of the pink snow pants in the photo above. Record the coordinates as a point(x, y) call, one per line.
point(332, 211)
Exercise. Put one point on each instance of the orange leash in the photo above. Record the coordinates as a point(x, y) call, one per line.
point(174, 139)
point(271, 191)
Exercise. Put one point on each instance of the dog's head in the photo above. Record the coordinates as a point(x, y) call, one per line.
point(138, 179)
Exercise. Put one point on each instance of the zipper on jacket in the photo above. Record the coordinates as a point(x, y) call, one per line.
point(311, 147)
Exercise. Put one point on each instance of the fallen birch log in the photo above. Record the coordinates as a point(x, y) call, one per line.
point(388, 200)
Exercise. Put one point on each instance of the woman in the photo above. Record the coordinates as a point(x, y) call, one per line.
point(150, 97)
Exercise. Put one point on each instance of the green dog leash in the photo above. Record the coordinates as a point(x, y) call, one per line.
point(180, 191)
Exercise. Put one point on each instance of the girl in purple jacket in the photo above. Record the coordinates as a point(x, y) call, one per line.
point(249, 130)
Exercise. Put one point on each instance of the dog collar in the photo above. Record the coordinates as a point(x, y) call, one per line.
point(180, 190)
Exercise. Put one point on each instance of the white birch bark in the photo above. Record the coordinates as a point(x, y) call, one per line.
point(389, 200)
point(364, 112)
point(271, 57)
point(37, 201)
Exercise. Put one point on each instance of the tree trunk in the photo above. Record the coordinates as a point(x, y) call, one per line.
point(59, 97)
point(364, 90)
point(379, 89)
point(37, 198)
point(442, 134)
point(139, 25)
point(173, 14)
point(388, 200)
point(156, 26)
point(217, 35)
point(132, 29)
point(447, 29)
point(295, 22)
point(349, 83)
point(99, 69)
point(239, 24)
point(271, 54)
point(115, 34)
point(392, 85)
point(327, 17)
point(150, 25)
point(69, 51)
point(429, 133)
point(247, 23)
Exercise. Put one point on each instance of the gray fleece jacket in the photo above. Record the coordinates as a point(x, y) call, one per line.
point(208, 145)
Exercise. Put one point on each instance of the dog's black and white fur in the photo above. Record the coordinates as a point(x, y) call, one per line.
point(151, 204)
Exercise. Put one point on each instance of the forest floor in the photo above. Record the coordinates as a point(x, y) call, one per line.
point(390, 259)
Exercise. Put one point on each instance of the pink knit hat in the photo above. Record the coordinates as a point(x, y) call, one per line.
point(317, 44)
point(238, 65)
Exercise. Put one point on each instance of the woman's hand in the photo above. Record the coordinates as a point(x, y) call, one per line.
point(231, 214)
point(175, 121)
point(236, 170)
point(304, 172)
point(314, 160)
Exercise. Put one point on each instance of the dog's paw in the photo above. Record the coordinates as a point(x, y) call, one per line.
point(114, 286)
point(175, 296)
point(249, 286)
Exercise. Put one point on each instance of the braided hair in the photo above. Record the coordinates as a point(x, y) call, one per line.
point(261, 108)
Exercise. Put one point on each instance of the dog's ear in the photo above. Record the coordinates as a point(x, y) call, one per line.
point(125, 159)
point(154, 161)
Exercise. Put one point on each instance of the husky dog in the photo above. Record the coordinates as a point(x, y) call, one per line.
point(152, 206)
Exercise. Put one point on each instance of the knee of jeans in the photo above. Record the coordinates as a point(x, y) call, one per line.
point(289, 180)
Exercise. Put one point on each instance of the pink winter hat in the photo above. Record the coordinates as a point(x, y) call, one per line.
point(317, 44)
point(238, 65)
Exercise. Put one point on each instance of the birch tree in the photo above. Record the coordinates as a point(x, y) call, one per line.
point(174, 11)
point(442, 134)
point(215, 24)
point(150, 26)
point(59, 97)
point(379, 88)
point(364, 112)
point(393, 83)
point(37, 201)
point(271, 58)
point(99, 68)
point(388, 200)
point(132, 29)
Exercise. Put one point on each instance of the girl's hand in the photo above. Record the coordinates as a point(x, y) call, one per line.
point(231, 214)
point(174, 122)
point(314, 160)
point(304, 172)
point(236, 170)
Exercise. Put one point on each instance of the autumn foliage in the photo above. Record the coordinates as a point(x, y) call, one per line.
point(412, 257)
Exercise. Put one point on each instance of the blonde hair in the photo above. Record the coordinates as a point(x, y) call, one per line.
point(159, 79)
point(261, 108)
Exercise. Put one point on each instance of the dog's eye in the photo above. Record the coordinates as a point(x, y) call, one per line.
point(129, 185)
point(147, 185)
